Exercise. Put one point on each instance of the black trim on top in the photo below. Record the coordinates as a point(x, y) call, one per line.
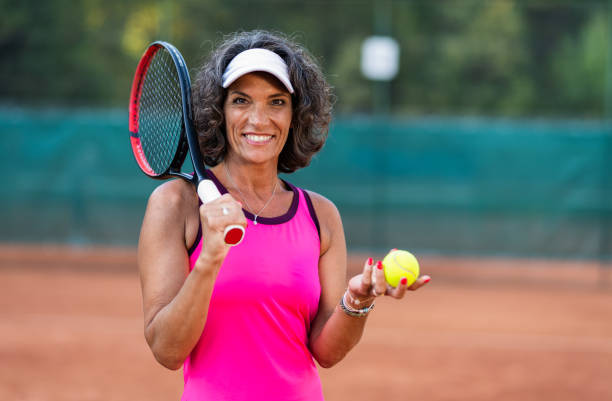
point(313, 214)
point(197, 238)
point(264, 220)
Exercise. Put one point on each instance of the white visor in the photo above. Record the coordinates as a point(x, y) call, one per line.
point(257, 60)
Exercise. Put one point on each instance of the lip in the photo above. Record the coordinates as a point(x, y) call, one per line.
point(255, 142)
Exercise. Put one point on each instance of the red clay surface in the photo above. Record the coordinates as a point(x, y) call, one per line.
point(483, 329)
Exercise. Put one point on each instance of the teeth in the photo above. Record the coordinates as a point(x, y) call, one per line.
point(258, 138)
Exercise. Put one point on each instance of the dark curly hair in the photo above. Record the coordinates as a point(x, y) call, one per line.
point(312, 99)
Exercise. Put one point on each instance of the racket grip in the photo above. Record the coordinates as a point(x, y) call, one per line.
point(207, 191)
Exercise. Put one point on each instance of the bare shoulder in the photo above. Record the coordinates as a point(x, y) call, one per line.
point(173, 204)
point(323, 206)
point(329, 218)
point(173, 194)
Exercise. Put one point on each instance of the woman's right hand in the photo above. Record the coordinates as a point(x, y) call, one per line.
point(215, 217)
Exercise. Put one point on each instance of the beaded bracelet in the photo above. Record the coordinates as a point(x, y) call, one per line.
point(352, 311)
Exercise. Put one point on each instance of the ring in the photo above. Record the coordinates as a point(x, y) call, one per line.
point(225, 211)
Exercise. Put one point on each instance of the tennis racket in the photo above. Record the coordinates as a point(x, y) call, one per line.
point(161, 124)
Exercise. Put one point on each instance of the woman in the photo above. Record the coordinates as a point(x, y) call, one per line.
point(245, 322)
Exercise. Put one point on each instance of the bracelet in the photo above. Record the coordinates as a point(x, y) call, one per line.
point(352, 311)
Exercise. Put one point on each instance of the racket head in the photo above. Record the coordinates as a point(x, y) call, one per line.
point(160, 123)
point(157, 112)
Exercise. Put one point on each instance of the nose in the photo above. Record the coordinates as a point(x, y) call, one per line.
point(258, 115)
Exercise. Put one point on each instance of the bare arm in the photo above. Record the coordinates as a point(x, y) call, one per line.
point(175, 302)
point(334, 333)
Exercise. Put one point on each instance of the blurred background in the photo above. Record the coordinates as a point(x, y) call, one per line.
point(492, 138)
point(492, 142)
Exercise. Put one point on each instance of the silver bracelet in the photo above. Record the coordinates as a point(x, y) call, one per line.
point(352, 311)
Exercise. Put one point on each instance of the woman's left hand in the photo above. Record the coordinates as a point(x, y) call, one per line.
point(371, 283)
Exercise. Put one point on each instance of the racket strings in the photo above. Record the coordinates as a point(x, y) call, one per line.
point(160, 112)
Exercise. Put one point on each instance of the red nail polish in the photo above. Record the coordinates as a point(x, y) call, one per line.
point(394, 249)
point(370, 261)
point(404, 281)
point(427, 279)
point(379, 265)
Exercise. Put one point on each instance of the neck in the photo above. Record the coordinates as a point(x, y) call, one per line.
point(251, 179)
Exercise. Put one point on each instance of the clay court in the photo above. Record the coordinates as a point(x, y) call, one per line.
point(484, 329)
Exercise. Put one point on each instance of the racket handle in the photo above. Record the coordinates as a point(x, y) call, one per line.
point(207, 191)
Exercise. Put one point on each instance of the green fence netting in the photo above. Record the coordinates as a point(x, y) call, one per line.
point(446, 185)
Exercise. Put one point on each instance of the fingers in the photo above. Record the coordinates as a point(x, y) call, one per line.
point(359, 288)
point(399, 291)
point(379, 285)
point(225, 208)
point(421, 281)
point(217, 215)
point(366, 280)
point(372, 283)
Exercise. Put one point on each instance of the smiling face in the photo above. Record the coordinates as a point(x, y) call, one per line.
point(258, 115)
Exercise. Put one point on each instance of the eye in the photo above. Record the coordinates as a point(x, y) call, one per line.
point(278, 102)
point(239, 100)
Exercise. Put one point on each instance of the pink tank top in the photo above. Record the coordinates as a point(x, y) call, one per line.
point(254, 345)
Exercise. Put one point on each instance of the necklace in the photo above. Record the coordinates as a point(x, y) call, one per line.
point(229, 177)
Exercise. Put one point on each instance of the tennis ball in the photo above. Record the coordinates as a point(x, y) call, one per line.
point(398, 264)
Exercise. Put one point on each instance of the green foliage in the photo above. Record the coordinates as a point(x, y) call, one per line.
point(580, 67)
point(481, 60)
point(496, 57)
point(350, 85)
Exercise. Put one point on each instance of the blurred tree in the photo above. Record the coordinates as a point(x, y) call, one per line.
point(579, 69)
point(499, 57)
point(62, 52)
point(352, 89)
point(475, 62)
point(548, 25)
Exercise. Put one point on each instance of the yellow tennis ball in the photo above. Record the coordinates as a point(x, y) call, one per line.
point(398, 264)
